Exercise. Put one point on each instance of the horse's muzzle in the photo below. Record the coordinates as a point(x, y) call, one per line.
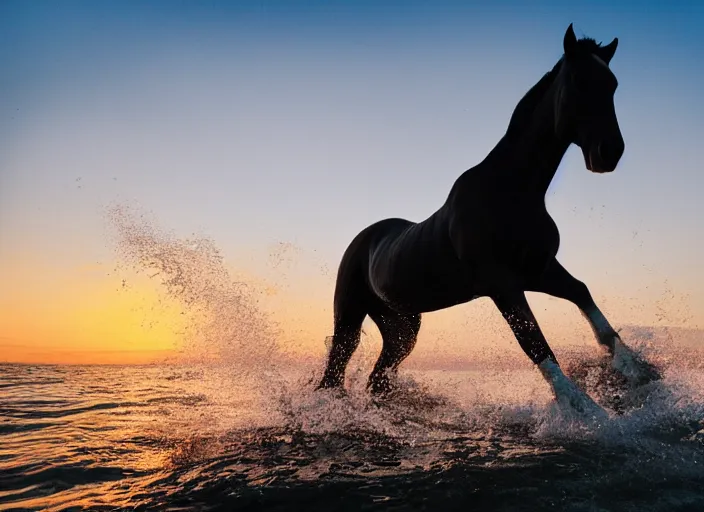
point(604, 156)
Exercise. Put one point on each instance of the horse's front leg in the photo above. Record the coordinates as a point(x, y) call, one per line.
point(558, 282)
point(517, 312)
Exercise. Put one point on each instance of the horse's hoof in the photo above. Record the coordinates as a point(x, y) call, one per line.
point(324, 385)
point(335, 392)
point(647, 373)
point(330, 385)
point(381, 388)
point(588, 408)
point(568, 395)
point(574, 399)
point(381, 393)
point(580, 404)
point(635, 369)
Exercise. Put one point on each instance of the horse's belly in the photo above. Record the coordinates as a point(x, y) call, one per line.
point(421, 280)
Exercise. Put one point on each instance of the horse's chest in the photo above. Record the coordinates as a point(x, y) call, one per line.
point(531, 243)
point(519, 234)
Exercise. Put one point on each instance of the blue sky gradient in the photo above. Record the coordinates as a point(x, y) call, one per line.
point(260, 122)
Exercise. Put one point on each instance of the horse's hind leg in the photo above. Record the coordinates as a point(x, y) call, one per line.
point(349, 315)
point(399, 333)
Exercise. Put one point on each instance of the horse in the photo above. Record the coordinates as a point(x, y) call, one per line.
point(493, 237)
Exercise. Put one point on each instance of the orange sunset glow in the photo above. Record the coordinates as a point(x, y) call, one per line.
point(78, 317)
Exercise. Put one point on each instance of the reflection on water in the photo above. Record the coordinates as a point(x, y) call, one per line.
point(202, 437)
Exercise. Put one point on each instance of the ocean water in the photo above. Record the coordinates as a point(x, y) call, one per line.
point(175, 437)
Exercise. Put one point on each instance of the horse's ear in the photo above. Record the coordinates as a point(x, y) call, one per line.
point(570, 41)
point(607, 52)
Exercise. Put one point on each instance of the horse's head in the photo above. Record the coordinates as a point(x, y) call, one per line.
point(585, 110)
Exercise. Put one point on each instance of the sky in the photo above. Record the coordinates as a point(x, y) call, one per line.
point(280, 129)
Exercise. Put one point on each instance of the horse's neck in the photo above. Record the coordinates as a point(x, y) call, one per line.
point(528, 159)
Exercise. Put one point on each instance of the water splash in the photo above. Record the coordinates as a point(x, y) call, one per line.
point(226, 325)
point(229, 329)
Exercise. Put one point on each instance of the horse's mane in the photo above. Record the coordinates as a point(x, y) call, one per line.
point(524, 109)
point(531, 99)
point(587, 45)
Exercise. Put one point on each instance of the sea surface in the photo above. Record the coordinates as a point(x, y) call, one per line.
point(210, 437)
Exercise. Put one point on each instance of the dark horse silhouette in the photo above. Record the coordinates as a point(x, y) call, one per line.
point(493, 237)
